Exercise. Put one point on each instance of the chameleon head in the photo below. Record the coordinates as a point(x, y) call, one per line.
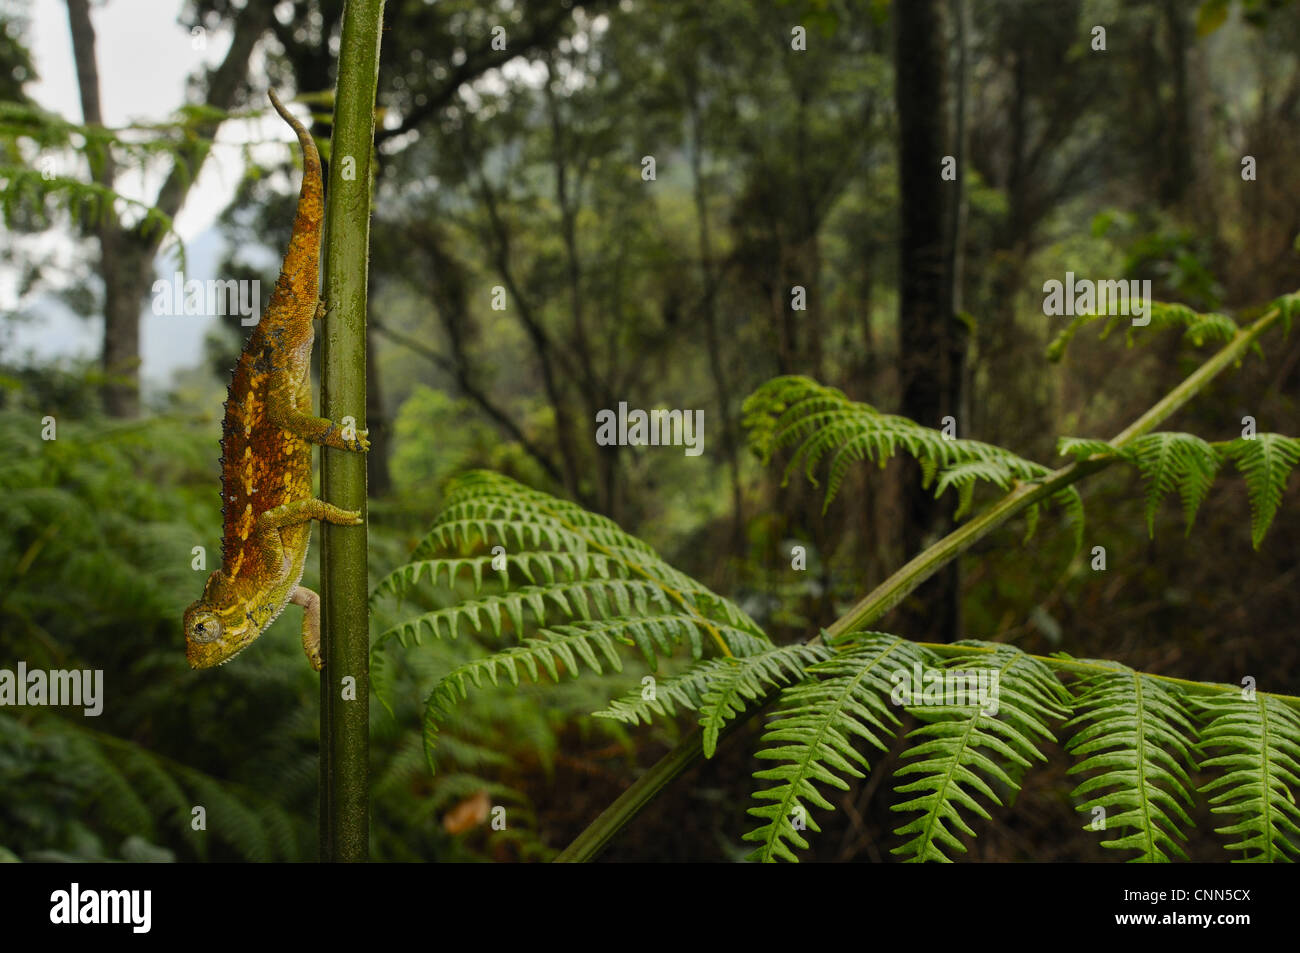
point(216, 626)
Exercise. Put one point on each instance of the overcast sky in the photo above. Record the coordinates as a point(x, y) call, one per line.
point(145, 57)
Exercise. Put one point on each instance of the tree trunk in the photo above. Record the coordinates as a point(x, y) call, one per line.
point(119, 258)
point(126, 256)
point(931, 342)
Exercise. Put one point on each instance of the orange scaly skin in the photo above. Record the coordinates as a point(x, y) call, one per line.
point(266, 441)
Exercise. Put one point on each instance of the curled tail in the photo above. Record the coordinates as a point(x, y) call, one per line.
point(299, 282)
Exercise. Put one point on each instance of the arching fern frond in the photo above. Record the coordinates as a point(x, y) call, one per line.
point(1199, 329)
point(569, 588)
point(1138, 736)
point(813, 731)
point(1189, 465)
point(822, 425)
point(1260, 738)
point(1265, 461)
point(967, 744)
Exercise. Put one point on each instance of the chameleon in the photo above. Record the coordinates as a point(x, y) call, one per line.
point(267, 434)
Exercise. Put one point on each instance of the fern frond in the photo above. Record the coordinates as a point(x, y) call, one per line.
point(1174, 461)
point(813, 730)
point(740, 681)
point(1188, 464)
point(1288, 305)
point(685, 689)
point(822, 425)
point(1138, 735)
point(1261, 740)
point(1198, 328)
point(1265, 461)
point(563, 645)
point(962, 747)
point(580, 599)
point(576, 591)
point(408, 575)
point(1081, 448)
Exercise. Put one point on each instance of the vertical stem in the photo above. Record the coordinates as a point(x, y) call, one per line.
point(345, 716)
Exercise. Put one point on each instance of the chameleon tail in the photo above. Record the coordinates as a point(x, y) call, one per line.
point(299, 282)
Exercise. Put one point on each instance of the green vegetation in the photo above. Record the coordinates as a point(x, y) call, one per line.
point(579, 650)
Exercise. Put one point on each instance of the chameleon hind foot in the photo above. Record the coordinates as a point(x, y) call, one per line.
point(310, 602)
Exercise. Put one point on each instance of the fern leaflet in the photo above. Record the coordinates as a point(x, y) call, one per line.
point(1261, 740)
point(813, 731)
point(1138, 735)
point(967, 745)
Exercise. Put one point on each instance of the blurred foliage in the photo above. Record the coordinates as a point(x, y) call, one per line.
point(522, 169)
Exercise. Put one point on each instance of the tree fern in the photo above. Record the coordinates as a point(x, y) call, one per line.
point(962, 748)
point(570, 591)
point(813, 731)
point(1260, 738)
point(1139, 737)
point(1129, 731)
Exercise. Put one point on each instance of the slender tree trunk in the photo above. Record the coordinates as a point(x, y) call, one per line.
point(1178, 151)
point(119, 258)
point(930, 348)
point(126, 255)
point(712, 341)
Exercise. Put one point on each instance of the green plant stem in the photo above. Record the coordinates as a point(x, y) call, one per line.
point(628, 804)
point(899, 585)
point(345, 618)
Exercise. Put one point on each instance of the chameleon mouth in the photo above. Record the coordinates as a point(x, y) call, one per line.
point(210, 654)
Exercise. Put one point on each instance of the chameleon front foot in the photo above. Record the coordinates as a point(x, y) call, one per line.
point(310, 602)
point(300, 511)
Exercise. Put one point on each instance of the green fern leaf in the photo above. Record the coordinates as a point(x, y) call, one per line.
point(582, 586)
point(1261, 740)
point(685, 689)
point(567, 645)
point(963, 747)
point(813, 730)
point(1174, 461)
point(1137, 734)
point(1198, 329)
point(1081, 448)
point(822, 424)
point(581, 599)
point(741, 680)
point(1265, 461)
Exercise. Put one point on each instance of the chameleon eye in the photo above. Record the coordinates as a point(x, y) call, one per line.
point(206, 630)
